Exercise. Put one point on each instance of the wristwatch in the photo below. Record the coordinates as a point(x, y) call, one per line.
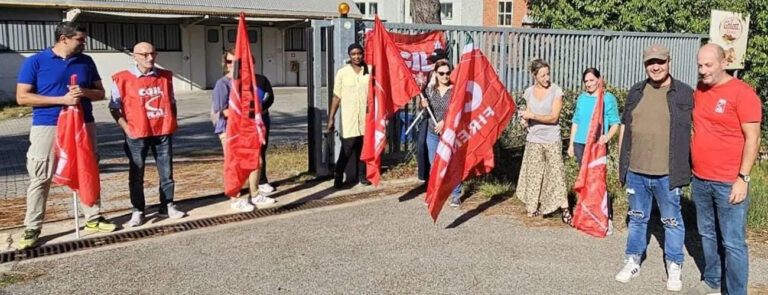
point(744, 177)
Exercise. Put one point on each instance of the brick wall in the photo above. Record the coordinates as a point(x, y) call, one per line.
point(490, 12)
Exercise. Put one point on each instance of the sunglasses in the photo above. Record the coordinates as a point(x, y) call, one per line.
point(443, 73)
point(229, 61)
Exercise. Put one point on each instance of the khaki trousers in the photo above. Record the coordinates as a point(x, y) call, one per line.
point(40, 164)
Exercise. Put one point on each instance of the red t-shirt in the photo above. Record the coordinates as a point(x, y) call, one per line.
point(718, 141)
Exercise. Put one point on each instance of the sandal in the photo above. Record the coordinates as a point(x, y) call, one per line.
point(535, 213)
point(566, 216)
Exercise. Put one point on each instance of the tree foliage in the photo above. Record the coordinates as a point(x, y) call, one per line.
point(671, 16)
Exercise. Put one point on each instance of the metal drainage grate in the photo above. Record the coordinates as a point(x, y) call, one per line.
point(127, 236)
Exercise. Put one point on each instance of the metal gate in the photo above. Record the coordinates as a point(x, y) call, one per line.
point(618, 55)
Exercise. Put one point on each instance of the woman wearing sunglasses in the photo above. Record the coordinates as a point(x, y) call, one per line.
point(438, 98)
point(257, 180)
point(542, 185)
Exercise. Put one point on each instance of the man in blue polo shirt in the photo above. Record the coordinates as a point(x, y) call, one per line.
point(44, 84)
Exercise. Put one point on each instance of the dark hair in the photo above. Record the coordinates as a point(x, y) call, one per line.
point(68, 29)
point(536, 65)
point(592, 71)
point(438, 54)
point(354, 46)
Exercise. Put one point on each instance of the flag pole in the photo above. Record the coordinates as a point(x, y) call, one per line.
point(418, 117)
point(77, 215)
point(431, 115)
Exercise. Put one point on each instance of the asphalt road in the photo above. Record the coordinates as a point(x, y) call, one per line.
point(373, 247)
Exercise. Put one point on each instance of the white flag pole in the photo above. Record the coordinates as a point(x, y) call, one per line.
point(77, 215)
point(431, 115)
point(418, 117)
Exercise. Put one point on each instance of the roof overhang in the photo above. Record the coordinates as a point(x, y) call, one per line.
point(178, 9)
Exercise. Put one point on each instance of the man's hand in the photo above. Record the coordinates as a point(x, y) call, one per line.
point(603, 139)
point(738, 192)
point(570, 151)
point(73, 96)
point(424, 103)
point(330, 127)
point(225, 112)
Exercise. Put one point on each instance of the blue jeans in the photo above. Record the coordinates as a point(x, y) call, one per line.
point(713, 211)
point(136, 150)
point(432, 141)
point(641, 190)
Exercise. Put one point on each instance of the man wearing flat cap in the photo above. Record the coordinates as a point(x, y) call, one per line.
point(654, 161)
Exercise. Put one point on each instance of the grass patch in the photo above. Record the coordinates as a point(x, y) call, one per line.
point(758, 196)
point(12, 110)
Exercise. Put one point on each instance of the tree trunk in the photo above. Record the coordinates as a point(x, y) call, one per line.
point(425, 11)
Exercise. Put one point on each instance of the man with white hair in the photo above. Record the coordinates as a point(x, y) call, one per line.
point(144, 106)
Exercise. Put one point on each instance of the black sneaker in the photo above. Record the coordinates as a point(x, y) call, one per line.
point(365, 182)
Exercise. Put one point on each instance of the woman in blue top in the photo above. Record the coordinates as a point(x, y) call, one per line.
point(257, 180)
point(582, 116)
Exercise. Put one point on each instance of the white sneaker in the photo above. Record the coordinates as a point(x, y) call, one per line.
point(137, 218)
point(171, 212)
point(260, 199)
point(242, 205)
point(630, 270)
point(266, 188)
point(674, 272)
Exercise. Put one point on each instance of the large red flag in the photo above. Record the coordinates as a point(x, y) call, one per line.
point(479, 110)
point(76, 165)
point(245, 127)
point(591, 212)
point(391, 86)
point(414, 49)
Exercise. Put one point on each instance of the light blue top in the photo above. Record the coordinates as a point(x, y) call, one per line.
point(585, 107)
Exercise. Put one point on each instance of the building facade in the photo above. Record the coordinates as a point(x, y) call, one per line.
point(190, 35)
point(487, 13)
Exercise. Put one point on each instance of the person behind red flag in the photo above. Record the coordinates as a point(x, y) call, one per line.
point(44, 83)
point(473, 122)
point(257, 179)
point(582, 117)
point(143, 104)
point(245, 131)
point(350, 93)
point(438, 99)
point(391, 87)
point(591, 212)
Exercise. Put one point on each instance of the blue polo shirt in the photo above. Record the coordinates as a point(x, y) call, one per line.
point(49, 75)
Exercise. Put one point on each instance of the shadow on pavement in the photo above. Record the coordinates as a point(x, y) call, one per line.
point(493, 201)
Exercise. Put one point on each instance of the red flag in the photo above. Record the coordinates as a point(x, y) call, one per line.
point(245, 127)
point(479, 110)
point(591, 212)
point(415, 50)
point(391, 86)
point(76, 164)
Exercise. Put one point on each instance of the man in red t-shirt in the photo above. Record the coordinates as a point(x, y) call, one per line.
point(726, 137)
point(144, 105)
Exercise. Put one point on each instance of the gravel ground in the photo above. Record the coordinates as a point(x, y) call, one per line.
point(372, 247)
